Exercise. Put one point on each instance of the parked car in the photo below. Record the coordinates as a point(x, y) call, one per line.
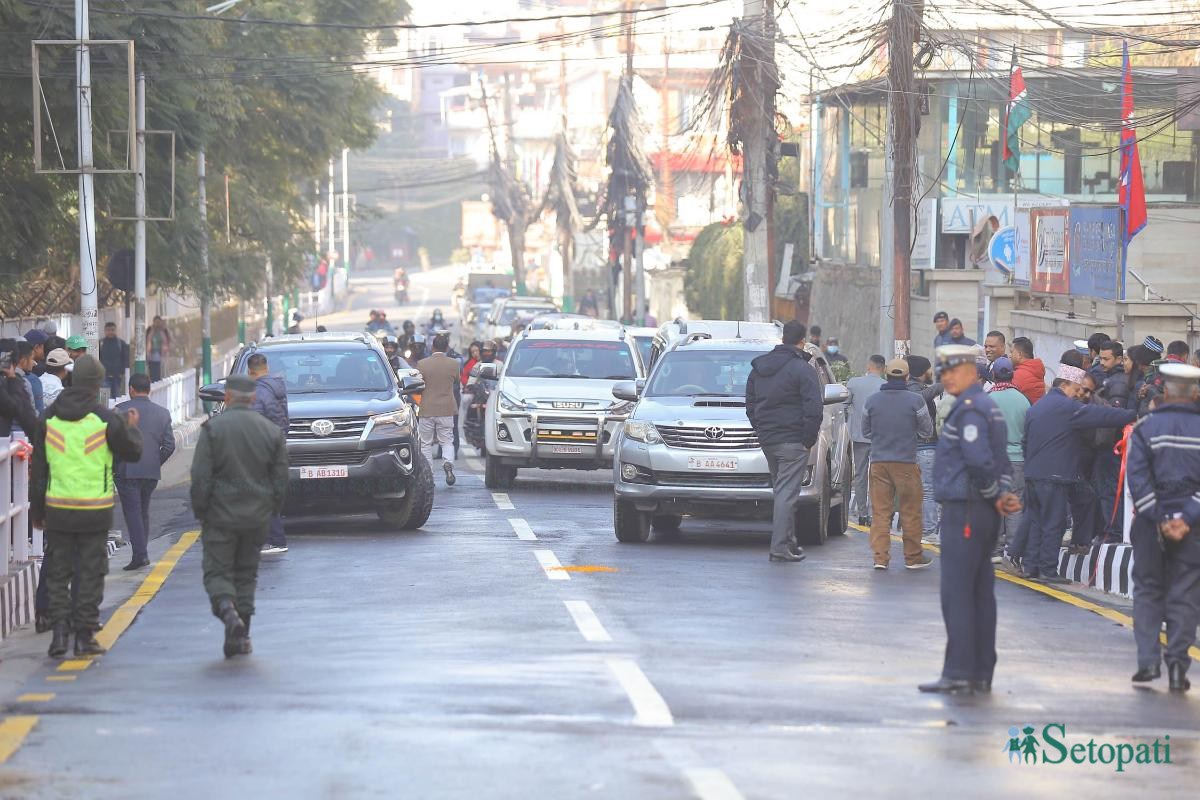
point(352, 443)
point(553, 407)
point(644, 337)
point(688, 449)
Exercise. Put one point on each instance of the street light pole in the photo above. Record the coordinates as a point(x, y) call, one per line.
point(346, 211)
point(206, 284)
point(88, 276)
point(139, 234)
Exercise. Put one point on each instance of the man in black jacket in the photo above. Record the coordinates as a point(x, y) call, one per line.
point(784, 404)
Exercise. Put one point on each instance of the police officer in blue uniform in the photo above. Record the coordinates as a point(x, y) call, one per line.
point(1163, 470)
point(972, 479)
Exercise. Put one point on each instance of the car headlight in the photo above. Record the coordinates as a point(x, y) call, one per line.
point(507, 402)
point(389, 424)
point(642, 432)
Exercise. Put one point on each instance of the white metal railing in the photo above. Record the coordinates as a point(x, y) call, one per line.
point(14, 505)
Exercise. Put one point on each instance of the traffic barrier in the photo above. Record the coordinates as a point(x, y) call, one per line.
point(19, 579)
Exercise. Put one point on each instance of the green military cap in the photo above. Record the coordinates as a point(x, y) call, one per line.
point(242, 384)
point(951, 355)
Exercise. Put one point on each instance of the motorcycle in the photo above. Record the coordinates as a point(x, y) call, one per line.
point(476, 396)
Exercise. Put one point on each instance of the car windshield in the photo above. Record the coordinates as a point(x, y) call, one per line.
point(644, 345)
point(488, 294)
point(564, 358)
point(511, 312)
point(330, 370)
point(711, 373)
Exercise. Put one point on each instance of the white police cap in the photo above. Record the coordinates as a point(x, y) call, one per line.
point(1184, 373)
point(951, 355)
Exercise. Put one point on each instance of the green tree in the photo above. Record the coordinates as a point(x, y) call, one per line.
point(270, 103)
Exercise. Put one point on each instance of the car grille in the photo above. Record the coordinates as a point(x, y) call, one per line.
point(350, 458)
point(343, 428)
point(692, 437)
point(731, 480)
point(567, 430)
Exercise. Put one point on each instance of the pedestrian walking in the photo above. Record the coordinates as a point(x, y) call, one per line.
point(1054, 457)
point(861, 387)
point(71, 498)
point(920, 381)
point(785, 408)
point(16, 404)
point(973, 482)
point(896, 418)
point(1163, 470)
point(136, 481)
point(239, 481)
point(33, 384)
point(270, 400)
point(158, 347)
point(1014, 406)
point(1029, 375)
point(56, 372)
point(438, 404)
point(114, 355)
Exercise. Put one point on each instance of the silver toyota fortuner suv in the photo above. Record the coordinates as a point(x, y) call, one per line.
point(688, 447)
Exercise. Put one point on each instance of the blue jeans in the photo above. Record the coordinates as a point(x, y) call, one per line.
point(929, 507)
point(275, 533)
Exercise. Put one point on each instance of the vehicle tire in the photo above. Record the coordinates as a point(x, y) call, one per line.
point(495, 474)
point(413, 511)
point(839, 515)
point(630, 525)
point(667, 523)
point(812, 521)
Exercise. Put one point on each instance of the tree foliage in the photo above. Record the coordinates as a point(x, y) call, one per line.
point(713, 283)
point(270, 104)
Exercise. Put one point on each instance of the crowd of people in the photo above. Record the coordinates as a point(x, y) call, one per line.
point(1064, 424)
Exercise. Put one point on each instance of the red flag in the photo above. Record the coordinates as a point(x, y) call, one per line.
point(1131, 191)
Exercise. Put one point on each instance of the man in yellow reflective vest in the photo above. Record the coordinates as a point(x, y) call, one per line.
point(71, 497)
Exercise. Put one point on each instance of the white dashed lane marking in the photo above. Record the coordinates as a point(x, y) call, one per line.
point(650, 710)
point(551, 565)
point(586, 620)
point(522, 529)
point(502, 501)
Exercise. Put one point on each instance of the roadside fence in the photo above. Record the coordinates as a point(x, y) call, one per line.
point(15, 456)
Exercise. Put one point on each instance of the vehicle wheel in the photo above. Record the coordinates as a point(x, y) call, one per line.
point(495, 474)
point(413, 511)
point(839, 515)
point(631, 526)
point(812, 521)
point(667, 523)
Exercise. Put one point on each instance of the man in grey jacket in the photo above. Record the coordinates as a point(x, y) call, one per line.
point(895, 419)
point(136, 480)
point(862, 387)
point(270, 400)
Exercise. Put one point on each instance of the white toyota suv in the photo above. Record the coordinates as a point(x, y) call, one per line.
point(553, 406)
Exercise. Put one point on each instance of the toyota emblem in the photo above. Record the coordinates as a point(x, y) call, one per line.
point(321, 427)
point(713, 432)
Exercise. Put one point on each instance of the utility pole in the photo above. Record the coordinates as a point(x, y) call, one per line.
point(902, 34)
point(317, 216)
point(139, 233)
point(88, 276)
point(757, 149)
point(331, 262)
point(206, 285)
point(666, 184)
point(270, 299)
point(346, 211)
point(516, 230)
point(631, 222)
point(566, 240)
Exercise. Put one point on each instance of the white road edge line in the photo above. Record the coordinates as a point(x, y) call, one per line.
point(522, 530)
point(551, 565)
point(586, 620)
point(711, 784)
point(502, 501)
point(650, 710)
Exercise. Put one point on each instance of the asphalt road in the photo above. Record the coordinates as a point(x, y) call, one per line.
point(460, 661)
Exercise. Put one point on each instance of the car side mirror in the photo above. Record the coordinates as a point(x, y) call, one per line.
point(411, 386)
point(484, 372)
point(836, 393)
point(628, 390)
point(213, 392)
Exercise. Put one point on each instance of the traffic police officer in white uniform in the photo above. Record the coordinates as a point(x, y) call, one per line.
point(972, 479)
point(1163, 470)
